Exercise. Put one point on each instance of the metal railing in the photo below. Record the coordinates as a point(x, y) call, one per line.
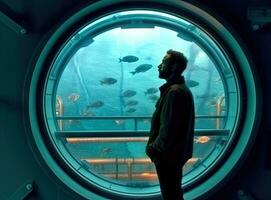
point(134, 135)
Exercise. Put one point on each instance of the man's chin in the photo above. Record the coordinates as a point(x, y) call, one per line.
point(161, 76)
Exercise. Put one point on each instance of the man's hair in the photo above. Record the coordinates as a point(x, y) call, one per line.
point(179, 59)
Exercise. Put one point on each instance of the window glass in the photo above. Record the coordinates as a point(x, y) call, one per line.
point(103, 86)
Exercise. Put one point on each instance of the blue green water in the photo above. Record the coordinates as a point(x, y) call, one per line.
point(80, 86)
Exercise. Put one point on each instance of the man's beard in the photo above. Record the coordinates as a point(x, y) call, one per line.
point(164, 74)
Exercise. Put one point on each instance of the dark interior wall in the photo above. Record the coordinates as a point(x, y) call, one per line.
point(17, 52)
point(18, 162)
point(255, 176)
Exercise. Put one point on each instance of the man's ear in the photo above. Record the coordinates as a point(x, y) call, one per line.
point(174, 67)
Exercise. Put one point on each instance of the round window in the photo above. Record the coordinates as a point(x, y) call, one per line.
point(100, 89)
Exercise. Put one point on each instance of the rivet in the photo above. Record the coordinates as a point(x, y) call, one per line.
point(29, 187)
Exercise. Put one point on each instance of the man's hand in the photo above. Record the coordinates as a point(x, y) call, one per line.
point(152, 152)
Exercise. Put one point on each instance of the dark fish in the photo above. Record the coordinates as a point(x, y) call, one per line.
point(148, 58)
point(191, 83)
point(151, 91)
point(131, 110)
point(129, 93)
point(131, 103)
point(95, 104)
point(141, 68)
point(108, 81)
point(73, 97)
point(128, 59)
point(154, 98)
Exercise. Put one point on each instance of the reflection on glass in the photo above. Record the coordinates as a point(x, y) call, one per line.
point(108, 88)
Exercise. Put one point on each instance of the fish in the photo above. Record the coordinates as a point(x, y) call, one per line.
point(128, 93)
point(131, 103)
point(148, 58)
point(145, 121)
point(191, 83)
point(154, 98)
point(119, 121)
point(151, 90)
point(131, 110)
point(95, 104)
point(202, 139)
point(73, 97)
point(108, 81)
point(206, 96)
point(128, 59)
point(142, 68)
point(73, 121)
point(106, 150)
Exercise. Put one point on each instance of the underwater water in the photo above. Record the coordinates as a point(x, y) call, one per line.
point(116, 77)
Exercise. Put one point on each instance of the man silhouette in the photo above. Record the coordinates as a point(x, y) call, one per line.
point(170, 143)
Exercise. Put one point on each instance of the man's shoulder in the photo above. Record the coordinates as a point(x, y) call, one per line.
point(177, 87)
point(181, 89)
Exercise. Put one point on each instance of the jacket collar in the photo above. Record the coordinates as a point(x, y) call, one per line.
point(178, 80)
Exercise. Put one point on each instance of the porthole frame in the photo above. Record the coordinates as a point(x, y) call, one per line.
point(248, 77)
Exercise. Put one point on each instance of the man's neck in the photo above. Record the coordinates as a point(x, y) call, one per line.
point(172, 77)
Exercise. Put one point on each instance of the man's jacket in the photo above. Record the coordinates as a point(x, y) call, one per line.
point(172, 126)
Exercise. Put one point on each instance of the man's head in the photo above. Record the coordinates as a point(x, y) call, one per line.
point(173, 64)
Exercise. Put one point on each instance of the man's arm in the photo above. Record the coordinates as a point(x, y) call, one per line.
point(172, 117)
